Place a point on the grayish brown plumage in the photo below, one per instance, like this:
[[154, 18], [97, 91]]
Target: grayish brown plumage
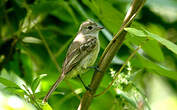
[[81, 54]]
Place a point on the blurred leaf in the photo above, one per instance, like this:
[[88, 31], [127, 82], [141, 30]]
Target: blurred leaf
[[13, 78], [36, 82], [106, 13], [61, 49], [44, 7], [26, 68], [161, 40], [157, 68], [136, 32], [171, 46], [16, 91], [8, 83], [126, 97], [79, 8], [20, 2], [71, 12], [143, 62], [152, 48], [30, 21], [162, 7], [42, 94], [60, 9], [31, 40], [46, 106]]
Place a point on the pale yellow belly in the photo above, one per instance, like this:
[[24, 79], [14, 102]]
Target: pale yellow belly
[[88, 61]]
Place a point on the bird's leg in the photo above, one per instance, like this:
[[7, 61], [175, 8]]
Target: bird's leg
[[95, 67], [86, 87]]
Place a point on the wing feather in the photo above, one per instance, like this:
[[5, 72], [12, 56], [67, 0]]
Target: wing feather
[[75, 55]]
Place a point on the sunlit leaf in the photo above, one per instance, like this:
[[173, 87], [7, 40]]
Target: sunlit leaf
[[171, 46], [17, 91], [111, 18], [136, 32], [42, 94], [31, 40], [46, 106], [8, 83], [36, 82], [157, 68]]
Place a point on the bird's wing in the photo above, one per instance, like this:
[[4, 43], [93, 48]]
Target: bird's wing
[[75, 55]]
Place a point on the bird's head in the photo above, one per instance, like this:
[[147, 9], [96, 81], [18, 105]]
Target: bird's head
[[89, 27]]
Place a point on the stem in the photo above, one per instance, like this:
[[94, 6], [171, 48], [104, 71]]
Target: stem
[[109, 53], [143, 95], [31, 96], [48, 49], [120, 70]]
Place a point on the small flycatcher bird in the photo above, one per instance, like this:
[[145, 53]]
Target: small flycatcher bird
[[81, 54]]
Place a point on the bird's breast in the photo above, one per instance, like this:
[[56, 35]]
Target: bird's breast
[[80, 38], [90, 59]]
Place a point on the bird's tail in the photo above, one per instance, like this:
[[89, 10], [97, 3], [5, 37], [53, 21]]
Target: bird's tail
[[54, 86]]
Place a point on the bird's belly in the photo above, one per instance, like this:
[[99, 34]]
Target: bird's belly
[[89, 60], [82, 67]]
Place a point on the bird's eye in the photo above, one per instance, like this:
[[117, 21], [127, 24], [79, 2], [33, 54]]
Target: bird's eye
[[89, 27]]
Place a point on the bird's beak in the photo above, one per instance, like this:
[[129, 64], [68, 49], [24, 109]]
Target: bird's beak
[[100, 27]]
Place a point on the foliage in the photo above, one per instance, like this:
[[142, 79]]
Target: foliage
[[35, 35]]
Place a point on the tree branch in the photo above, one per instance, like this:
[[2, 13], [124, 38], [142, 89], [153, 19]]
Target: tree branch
[[109, 53], [118, 72]]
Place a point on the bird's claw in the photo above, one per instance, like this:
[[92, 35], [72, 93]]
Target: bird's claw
[[95, 67]]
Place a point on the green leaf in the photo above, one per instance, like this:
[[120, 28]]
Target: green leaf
[[19, 92], [142, 61], [46, 106], [60, 9], [44, 7], [36, 82], [27, 67], [42, 94], [170, 45], [20, 2], [30, 21], [110, 16], [157, 68], [32, 40], [153, 49], [12, 77], [136, 32], [8, 83], [127, 98], [79, 8]]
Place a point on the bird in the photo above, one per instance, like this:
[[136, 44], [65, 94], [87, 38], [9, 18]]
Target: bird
[[82, 54]]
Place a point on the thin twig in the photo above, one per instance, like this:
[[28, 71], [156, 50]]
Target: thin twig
[[144, 96], [32, 97], [73, 90], [120, 70], [48, 49]]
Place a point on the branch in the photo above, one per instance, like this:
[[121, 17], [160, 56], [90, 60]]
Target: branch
[[120, 70], [48, 49], [109, 53]]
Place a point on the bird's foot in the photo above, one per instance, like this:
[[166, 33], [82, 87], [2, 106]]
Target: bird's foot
[[95, 67], [88, 88]]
